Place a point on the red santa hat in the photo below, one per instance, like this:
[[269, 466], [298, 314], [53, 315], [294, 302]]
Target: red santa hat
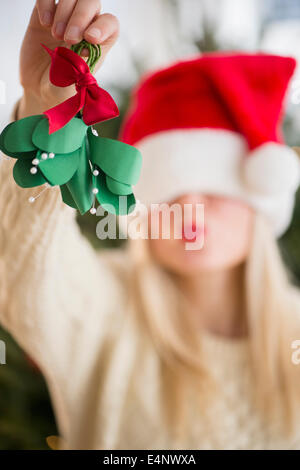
[[212, 124]]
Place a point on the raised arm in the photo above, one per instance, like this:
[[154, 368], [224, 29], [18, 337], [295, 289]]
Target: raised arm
[[51, 280]]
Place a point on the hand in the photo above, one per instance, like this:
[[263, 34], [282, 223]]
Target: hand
[[63, 24]]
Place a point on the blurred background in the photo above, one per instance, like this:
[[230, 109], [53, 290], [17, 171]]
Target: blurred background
[[153, 34]]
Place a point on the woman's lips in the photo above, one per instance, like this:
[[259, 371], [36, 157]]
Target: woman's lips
[[192, 232]]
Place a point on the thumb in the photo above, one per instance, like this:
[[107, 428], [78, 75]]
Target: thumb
[[107, 26]]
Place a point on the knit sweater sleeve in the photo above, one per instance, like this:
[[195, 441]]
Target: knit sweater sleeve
[[54, 291]]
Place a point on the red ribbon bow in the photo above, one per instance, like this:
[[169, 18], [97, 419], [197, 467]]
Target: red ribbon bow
[[68, 68]]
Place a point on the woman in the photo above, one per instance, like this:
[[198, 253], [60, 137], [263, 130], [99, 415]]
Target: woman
[[158, 346]]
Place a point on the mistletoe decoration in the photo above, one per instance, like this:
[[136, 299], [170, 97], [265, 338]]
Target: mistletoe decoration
[[61, 148]]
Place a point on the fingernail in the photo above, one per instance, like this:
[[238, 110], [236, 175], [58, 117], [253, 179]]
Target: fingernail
[[60, 29], [94, 33], [47, 18], [73, 33]]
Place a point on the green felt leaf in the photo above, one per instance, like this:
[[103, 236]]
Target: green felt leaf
[[120, 161], [24, 178], [24, 155], [118, 188], [67, 197], [80, 186], [29, 155], [2, 146], [108, 200], [66, 140], [18, 135], [60, 169]]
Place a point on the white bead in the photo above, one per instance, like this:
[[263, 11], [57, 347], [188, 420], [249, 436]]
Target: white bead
[[31, 199], [33, 170], [95, 132], [95, 191], [35, 161], [96, 173], [51, 155], [93, 211], [44, 156]]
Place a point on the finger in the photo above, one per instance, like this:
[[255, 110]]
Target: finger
[[82, 16], [104, 30], [63, 13], [46, 11]]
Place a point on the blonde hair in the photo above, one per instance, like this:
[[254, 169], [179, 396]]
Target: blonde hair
[[273, 314]]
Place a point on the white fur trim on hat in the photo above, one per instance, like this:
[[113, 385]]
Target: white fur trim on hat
[[272, 169], [216, 161]]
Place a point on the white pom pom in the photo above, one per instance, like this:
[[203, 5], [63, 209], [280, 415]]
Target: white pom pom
[[35, 161], [93, 211], [95, 191], [96, 173], [271, 169], [44, 156], [33, 170], [51, 155]]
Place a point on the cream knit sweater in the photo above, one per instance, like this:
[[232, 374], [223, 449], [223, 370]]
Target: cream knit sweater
[[66, 306]]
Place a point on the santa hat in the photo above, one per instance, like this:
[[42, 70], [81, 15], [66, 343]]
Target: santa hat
[[211, 125]]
